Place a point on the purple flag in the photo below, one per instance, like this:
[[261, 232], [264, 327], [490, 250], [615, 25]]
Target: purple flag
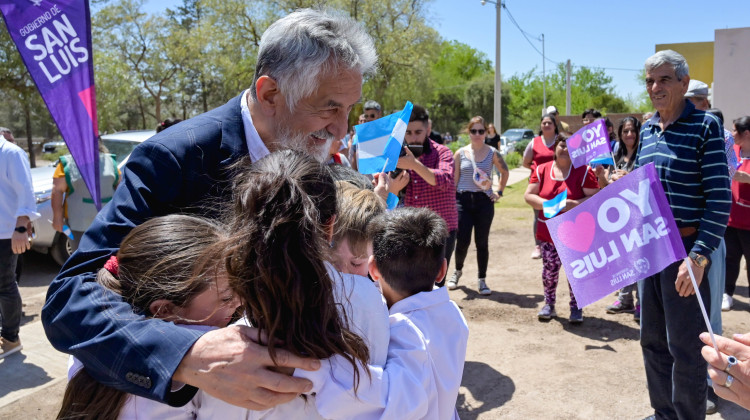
[[54, 39], [589, 142], [624, 233]]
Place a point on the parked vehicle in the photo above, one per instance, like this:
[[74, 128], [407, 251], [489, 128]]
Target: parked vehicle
[[49, 241], [512, 136], [52, 146]]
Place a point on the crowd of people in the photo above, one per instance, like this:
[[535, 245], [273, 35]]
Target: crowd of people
[[265, 277]]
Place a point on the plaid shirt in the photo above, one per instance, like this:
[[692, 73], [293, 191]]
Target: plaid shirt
[[441, 197]]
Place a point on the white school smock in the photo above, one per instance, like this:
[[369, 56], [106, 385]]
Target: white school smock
[[423, 372]]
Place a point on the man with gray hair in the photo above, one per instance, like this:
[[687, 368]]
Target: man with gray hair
[[686, 146], [7, 134], [697, 93], [308, 77]]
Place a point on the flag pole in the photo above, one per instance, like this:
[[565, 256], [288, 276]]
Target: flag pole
[[703, 308]]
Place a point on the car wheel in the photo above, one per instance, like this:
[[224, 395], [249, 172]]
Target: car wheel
[[61, 249]]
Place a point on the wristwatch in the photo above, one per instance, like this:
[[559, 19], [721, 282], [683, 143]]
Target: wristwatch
[[21, 229], [698, 259]]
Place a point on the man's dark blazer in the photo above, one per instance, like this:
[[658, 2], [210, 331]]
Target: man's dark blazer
[[183, 169]]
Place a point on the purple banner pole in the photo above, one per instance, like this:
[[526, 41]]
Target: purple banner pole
[[589, 142], [54, 40], [624, 233]]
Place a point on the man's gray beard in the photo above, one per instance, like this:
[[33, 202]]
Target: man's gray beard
[[286, 138]]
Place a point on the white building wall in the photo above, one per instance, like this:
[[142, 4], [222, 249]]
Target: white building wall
[[731, 87]]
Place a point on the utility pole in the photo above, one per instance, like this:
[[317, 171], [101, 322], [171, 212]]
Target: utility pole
[[567, 88], [544, 77], [498, 121]]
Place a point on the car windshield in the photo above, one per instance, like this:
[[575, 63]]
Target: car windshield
[[120, 148], [514, 134]]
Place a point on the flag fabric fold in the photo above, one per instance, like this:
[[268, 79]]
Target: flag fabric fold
[[624, 233], [555, 205], [54, 40], [381, 140], [589, 142]]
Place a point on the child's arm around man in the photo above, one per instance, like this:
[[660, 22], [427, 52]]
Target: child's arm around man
[[428, 337]]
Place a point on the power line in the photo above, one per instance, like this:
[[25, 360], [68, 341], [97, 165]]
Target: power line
[[544, 56]]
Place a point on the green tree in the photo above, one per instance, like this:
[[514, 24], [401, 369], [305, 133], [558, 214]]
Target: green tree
[[16, 84], [590, 88], [461, 75]]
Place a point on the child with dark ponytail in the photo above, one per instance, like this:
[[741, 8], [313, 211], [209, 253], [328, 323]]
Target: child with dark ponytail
[[163, 269]]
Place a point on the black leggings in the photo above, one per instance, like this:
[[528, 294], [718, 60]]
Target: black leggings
[[475, 210], [738, 244]]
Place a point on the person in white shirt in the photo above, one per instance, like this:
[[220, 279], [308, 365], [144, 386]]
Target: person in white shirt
[[429, 334], [17, 210]]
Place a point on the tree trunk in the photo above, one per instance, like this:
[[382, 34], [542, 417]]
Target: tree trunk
[[27, 117], [143, 113], [204, 93]]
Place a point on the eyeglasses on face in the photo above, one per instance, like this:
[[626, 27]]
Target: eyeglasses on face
[[370, 115], [475, 131]]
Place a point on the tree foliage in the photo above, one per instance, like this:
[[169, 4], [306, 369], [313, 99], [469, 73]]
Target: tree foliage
[[185, 60], [590, 88]]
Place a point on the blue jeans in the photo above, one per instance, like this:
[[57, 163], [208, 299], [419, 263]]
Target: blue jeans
[[670, 325], [10, 298], [475, 211], [716, 280]]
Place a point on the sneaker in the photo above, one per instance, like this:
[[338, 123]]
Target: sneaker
[[453, 282], [483, 289], [576, 316], [637, 314], [536, 253], [618, 308], [8, 347], [726, 302], [547, 313]]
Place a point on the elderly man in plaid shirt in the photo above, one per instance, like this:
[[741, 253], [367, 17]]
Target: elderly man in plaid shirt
[[428, 175]]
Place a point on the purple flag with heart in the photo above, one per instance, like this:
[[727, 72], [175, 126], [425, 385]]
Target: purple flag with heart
[[54, 40], [622, 234], [589, 142]]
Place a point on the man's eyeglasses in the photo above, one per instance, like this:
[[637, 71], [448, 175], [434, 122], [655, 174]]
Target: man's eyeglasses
[[480, 131], [370, 115]]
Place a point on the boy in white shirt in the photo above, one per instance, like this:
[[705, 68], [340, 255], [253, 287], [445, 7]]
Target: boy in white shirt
[[429, 334]]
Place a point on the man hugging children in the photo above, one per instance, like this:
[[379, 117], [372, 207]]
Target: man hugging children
[[428, 333]]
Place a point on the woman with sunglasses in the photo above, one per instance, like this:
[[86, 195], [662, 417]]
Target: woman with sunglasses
[[547, 181], [472, 173], [539, 151]]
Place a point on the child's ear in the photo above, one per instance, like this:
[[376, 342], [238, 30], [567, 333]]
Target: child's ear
[[372, 266], [162, 308], [443, 271]]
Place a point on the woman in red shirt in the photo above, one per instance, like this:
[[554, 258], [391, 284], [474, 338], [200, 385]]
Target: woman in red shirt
[[546, 182], [737, 235], [539, 151]]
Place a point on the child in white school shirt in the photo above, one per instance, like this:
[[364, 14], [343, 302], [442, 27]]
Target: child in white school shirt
[[428, 333]]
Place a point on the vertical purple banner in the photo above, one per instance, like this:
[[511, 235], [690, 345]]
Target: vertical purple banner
[[54, 39], [589, 142], [622, 234]]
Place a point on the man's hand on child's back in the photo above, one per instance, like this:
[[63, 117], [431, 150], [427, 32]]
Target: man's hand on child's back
[[230, 365]]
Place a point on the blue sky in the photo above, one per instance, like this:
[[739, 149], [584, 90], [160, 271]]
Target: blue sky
[[610, 34]]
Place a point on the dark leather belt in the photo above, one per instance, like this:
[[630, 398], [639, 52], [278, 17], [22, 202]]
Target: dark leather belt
[[687, 231]]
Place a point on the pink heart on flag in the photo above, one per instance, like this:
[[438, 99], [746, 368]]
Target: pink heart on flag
[[574, 141], [578, 235]]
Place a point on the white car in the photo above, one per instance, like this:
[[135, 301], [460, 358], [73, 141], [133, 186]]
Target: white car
[[49, 241]]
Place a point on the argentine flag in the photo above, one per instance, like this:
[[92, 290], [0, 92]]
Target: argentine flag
[[553, 206], [380, 140], [605, 159]]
